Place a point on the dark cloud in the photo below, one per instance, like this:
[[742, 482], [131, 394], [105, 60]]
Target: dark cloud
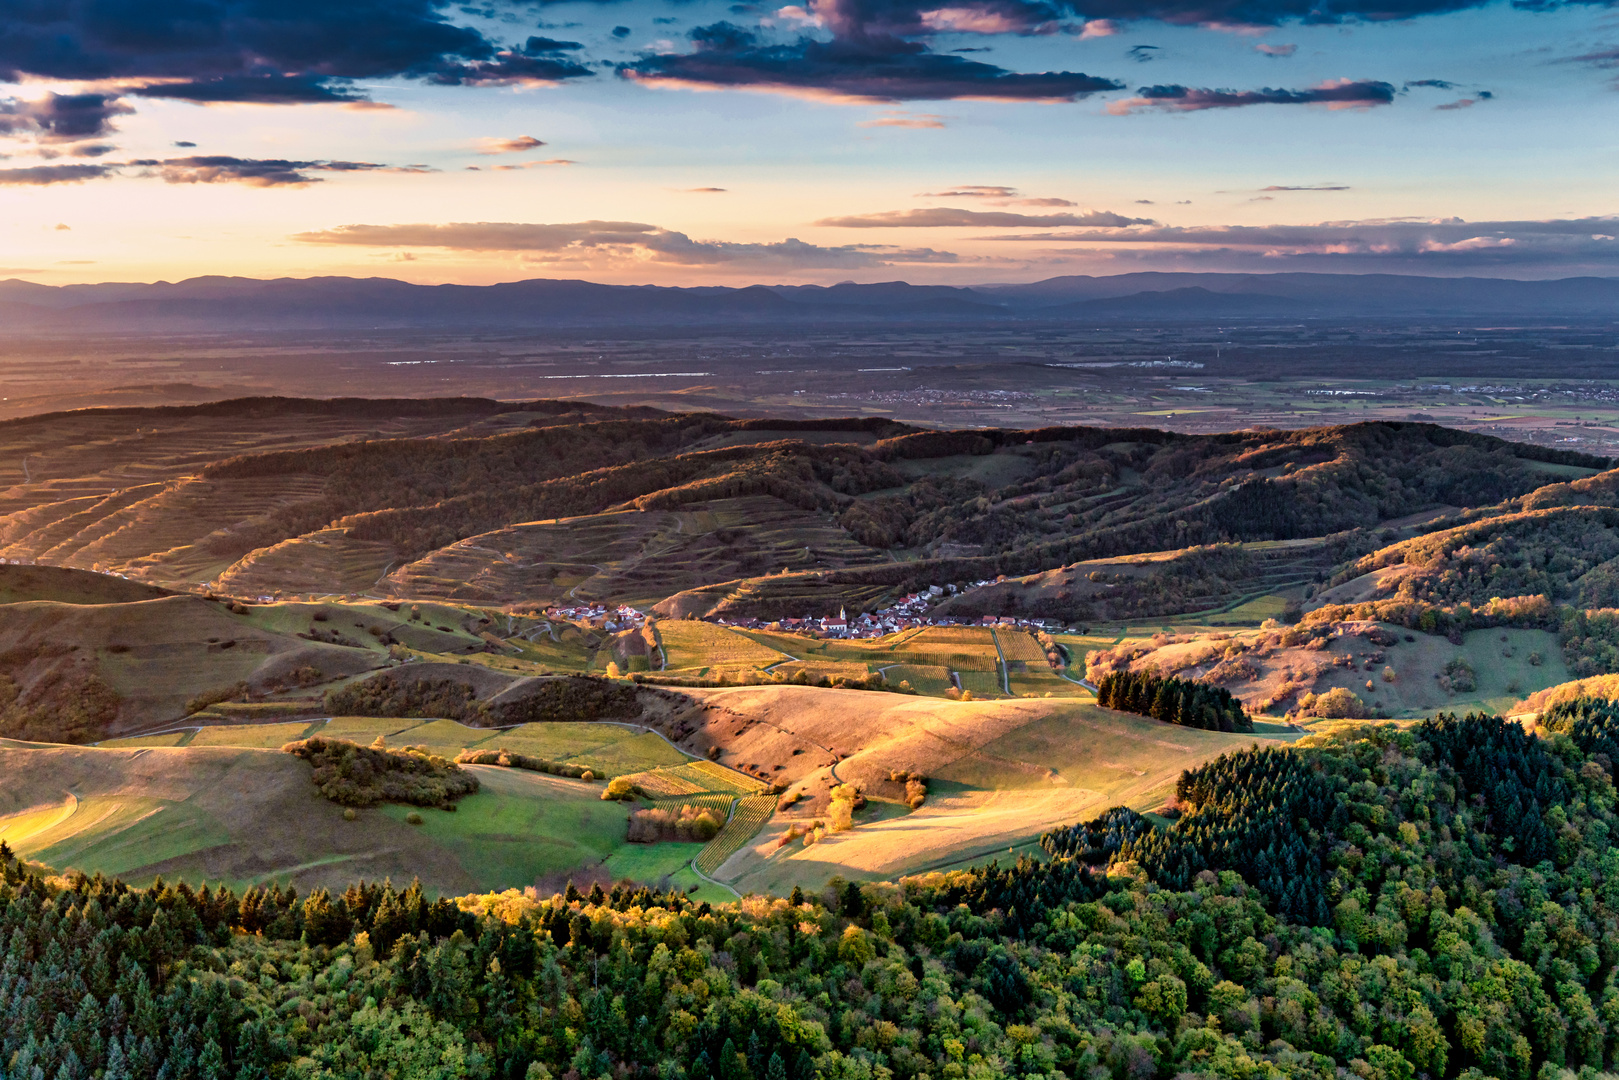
[[184, 144], [1256, 13], [1142, 54], [1306, 187], [1436, 84], [258, 90], [254, 172], [1337, 94], [858, 68], [621, 32], [943, 217], [588, 240], [40, 175], [1280, 52], [705, 190], [93, 150], [62, 117], [272, 51]]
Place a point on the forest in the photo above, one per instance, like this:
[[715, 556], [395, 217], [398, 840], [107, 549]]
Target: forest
[[1438, 901]]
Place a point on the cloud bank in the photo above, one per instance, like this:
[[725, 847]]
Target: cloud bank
[[264, 51], [611, 240], [865, 67]]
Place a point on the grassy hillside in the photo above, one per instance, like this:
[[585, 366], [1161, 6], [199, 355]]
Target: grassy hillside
[[223, 803], [998, 772]]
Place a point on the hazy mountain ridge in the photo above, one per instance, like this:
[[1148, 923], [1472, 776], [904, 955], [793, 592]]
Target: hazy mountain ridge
[[226, 302]]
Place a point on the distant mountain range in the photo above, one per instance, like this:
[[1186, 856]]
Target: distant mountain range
[[207, 304]]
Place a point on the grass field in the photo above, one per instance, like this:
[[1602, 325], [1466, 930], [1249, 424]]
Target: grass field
[[246, 816], [363, 729], [665, 866], [253, 736], [1041, 683], [521, 826], [691, 644], [172, 738], [983, 684]]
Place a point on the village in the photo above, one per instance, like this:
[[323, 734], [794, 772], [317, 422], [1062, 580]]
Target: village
[[910, 612]]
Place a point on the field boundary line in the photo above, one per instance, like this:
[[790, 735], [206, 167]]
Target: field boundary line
[[1006, 679]]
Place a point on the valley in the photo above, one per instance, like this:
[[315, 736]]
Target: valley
[[814, 605]]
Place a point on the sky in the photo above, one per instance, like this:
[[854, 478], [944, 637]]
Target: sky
[[708, 142]]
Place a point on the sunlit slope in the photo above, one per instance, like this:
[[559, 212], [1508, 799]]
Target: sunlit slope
[[245, 816], [999, 772]]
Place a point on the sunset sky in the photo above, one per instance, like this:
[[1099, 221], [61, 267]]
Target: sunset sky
[[951, 141]]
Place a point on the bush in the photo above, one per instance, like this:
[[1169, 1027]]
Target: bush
[[413, 818], [349, 814], [354, 775], [508, 759], [1461, 675], [688, 823], [1339, 704], [619, 788]]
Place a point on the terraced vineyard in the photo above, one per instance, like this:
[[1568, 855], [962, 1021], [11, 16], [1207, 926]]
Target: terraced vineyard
[[930, 679], [749, 817], [1016, 645]]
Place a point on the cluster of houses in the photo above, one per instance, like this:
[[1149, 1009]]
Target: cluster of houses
[[622, 617], [907, 613]]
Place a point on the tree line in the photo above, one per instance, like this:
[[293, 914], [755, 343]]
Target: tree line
[[1174, 701]]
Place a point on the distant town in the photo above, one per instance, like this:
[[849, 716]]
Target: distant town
[[908, 613]]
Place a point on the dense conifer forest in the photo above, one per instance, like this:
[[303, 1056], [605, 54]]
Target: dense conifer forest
[[1439, 901], [1174, 701]]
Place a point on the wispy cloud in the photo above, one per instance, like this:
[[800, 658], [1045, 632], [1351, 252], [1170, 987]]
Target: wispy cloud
[[519, 145], [944, 217], [896, 119]]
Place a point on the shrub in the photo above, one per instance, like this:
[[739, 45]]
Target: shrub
[[214, 697], [1461, 675], [349, 814], [688, 823], [413, 818], [508, 759], [354, 775], [1339, 703], [619, 787]]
